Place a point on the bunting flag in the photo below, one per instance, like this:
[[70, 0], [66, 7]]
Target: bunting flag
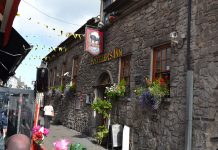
[[9, 14], [60, 32]]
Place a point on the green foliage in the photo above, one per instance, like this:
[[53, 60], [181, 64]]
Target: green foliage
[[53, 88], [61, 88], [77, 147], [102, 107], [154, 93], [116, 90], [122, 88], [101, 133], [158, 90], [72, 88], [139, 90]]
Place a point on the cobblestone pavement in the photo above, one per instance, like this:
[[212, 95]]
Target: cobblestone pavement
[[57, 132]]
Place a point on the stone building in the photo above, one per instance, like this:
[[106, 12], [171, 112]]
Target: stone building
[[180, 36]]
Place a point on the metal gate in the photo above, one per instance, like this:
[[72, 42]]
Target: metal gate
[[19, 105]]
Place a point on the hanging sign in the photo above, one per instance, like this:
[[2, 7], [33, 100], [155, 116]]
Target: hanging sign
[[94, 41]]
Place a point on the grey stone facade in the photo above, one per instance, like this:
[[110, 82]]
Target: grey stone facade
[[141, 27]]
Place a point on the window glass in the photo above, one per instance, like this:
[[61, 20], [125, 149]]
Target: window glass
[[75, 69], [161, 63], [106, 3], [125, 72]]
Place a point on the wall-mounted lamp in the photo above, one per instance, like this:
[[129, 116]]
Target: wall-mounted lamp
[[97, 19], [100, 24], [177, 40], [67, 74]]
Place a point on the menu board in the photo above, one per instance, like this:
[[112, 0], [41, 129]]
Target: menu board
[[117, 133], [125, 142]]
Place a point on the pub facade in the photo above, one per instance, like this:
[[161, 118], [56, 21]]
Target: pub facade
[[144, 39]]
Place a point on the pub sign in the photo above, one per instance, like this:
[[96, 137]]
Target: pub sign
[[94, 41]]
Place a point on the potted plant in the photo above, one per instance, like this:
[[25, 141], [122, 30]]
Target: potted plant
[[61, 88], [102, 107], [101, 134], [154, 93], [70, 88], [116, 90]]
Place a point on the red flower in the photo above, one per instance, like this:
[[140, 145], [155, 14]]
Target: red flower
[[161, 81], [38, 136]]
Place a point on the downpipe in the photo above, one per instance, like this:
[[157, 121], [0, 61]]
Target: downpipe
[[189, 84]]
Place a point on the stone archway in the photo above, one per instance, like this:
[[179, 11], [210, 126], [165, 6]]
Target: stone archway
[[104, 79]]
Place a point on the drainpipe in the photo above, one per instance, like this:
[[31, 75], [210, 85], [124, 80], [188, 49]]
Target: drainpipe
[[189, 84]]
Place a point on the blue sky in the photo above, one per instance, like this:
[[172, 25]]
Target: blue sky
[[41, 22]]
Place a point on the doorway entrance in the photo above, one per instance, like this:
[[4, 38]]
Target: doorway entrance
[[104, 80]]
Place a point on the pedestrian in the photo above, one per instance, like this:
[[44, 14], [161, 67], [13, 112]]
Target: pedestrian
[[48, 114], [3, 128], [18, 142]]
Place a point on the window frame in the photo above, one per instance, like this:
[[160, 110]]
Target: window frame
[[155, 61], [122, 74], [107, 3], [54, 76], [51, 78], [74, 74], [165, 74], [64, 68]]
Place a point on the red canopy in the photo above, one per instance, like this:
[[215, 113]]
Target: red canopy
[[8, 8]]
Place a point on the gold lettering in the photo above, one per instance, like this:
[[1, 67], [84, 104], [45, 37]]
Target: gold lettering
[[117, 52], [107, 57], [94, 61], [110, 55]]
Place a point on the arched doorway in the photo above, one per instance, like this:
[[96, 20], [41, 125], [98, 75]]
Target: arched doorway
[[103, 81]]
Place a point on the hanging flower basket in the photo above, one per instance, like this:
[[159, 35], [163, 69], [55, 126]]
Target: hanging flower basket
[[153, 94], [116, 90]]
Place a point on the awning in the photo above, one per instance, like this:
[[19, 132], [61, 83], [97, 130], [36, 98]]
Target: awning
[[8, 11], [12, 54]]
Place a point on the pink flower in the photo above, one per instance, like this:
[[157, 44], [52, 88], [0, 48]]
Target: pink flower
[[61, 144], [45, 132], [36, 129]]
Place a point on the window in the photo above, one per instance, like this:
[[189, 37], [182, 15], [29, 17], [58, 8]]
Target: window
[[62, 74], [75, 68], [125, 72], [54, 76], [106, 3], [161, 63], [50, 78]]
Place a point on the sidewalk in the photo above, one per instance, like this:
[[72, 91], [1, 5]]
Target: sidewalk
[[57, 132]]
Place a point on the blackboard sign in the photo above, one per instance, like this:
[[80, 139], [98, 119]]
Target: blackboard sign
[[117, 133]]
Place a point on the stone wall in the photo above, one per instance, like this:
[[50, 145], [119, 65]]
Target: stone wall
[[205, 65], [147, 27], [136, 33]]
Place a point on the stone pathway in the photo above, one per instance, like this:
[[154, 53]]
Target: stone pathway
[[59, 132]]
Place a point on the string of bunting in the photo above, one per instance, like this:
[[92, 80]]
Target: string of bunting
[[58, 49], [61, 32], [37, 47]]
